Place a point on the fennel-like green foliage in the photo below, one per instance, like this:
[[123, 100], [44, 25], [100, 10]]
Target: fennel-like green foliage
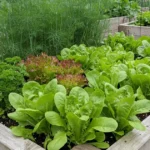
[[31, 27]]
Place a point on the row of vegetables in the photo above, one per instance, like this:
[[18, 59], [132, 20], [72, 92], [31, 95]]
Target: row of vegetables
[[81, 94]]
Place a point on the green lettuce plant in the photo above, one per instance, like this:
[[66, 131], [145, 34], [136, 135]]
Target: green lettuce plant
[[79, 119], [30, 107], [121, 102], [144, 50], [64, 119]]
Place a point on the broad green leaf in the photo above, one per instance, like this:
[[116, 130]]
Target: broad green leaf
[[42, 127], [124, 107], [30, 104], [83, 59], [103, 145], [142, 68], [139, 94], [141, 51], [61, 88], [34, 114], [55, 129], [47, 140], [59, 100], [84, 118], [32, 90], [147, 51], [125, 91], [109, 111], [65, 53], [123, 123], [139, 107], [76, 125], [117, 77], [60, 139], [22, 119], [80, 94], [51, 87], [89, 90], [45, 103], [122, 75], [103, 124], [100, 136], [121, 133], [16, 100], [54, 119], [90, 136], [85, 111], [129, 56], [109, 88], [97, 97], [93, 78], [22, 132], [137, 125], [142, 81], [145, 43]]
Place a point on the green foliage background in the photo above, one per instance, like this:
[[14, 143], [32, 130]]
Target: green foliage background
[[31, 26]]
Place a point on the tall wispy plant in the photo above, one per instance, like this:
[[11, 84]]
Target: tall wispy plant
[[33, 26]]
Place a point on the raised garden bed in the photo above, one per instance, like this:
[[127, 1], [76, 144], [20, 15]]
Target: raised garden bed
[[37, 112], [114, 24], [145, 8], [11, 142], [136, 31], [134, 140]]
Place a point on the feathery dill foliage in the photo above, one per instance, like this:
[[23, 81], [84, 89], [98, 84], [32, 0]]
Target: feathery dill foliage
[[144, 3], [35, 26]]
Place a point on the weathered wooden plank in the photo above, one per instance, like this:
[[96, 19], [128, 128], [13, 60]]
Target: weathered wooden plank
[[145, 8], [137, 31], [114, 23], [134, 140], [10, 142]]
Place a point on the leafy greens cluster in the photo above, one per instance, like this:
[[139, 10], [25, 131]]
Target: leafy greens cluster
[[73, 118], [120, 68], [44, 68], [11, 80], [143, 19], [128, 8], [118, 75]]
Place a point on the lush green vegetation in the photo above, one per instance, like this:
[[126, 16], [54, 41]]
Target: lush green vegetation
[[143, 19], [59, 78], [144, 3], [44, 68], [128, 8], [74, 118], [11, 80], [31, 27], [118, 89]]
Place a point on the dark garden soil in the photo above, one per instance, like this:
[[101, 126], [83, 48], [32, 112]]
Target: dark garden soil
[[39, 139], [6, 121], [143, 116]]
